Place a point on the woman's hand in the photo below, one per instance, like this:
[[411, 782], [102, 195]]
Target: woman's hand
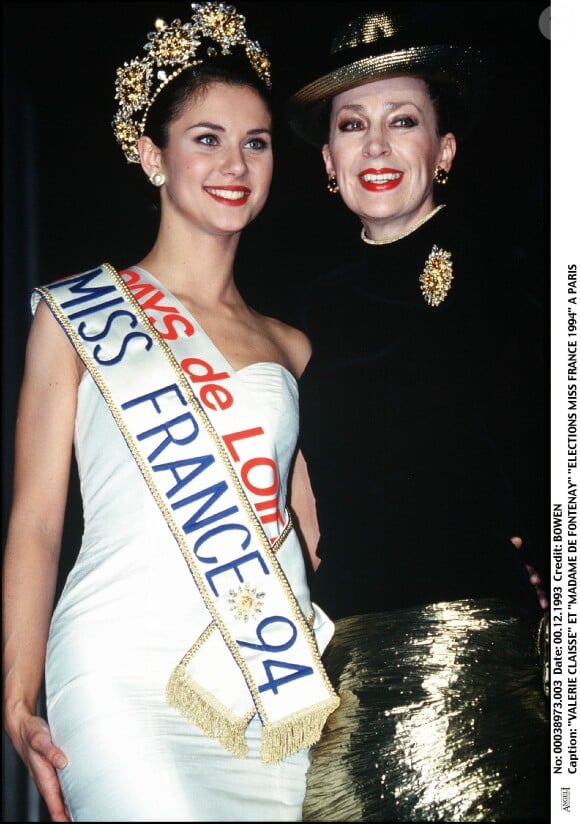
[[43, 759], [535, 579]]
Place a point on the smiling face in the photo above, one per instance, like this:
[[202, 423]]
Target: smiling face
[[383, 148], [218, 160]]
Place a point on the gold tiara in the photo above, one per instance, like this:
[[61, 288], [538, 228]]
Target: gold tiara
[[169, 51]]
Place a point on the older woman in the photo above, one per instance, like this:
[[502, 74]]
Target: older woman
[[407, 409]]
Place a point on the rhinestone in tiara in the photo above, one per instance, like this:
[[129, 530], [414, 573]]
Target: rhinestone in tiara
[[214, 29]]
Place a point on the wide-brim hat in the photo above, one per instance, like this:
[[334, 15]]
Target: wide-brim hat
[[378, 45]]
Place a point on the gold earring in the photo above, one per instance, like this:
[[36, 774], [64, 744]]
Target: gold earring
[[440, 175], [157, 179], [332, 185]]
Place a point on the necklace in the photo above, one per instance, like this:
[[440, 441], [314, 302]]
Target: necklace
[[403, 234], [435, 279]]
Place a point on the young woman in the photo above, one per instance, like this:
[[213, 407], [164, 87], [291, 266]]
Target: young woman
[[182, 660]]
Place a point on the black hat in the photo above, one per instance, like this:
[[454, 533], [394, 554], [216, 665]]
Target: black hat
[[378, 45]]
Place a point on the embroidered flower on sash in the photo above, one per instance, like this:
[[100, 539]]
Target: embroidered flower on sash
[[245, 602]]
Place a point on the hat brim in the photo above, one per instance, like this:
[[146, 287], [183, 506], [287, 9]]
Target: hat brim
[[462, 70]]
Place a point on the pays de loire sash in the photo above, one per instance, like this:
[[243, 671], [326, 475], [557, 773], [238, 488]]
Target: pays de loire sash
[[196, 438]]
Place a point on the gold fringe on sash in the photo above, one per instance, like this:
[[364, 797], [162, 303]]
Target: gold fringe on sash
[[201, 708], [279, 740], [302, 730]]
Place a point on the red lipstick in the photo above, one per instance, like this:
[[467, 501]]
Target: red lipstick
[[380, 180], [229, 195]]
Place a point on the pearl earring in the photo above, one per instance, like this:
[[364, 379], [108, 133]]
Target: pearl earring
[[157, 179]]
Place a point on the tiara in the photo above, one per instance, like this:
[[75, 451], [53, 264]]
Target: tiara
[[169, 51]]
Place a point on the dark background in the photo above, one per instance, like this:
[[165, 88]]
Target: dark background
[[71, 201]]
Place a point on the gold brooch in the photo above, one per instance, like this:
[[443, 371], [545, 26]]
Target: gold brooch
[[436, 277], [245, 602]]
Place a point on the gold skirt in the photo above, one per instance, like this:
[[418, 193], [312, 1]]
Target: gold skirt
[[443, 717]]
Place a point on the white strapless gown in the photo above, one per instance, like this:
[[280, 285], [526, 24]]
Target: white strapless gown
[[128, 613]]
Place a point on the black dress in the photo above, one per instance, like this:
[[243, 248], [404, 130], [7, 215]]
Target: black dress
[[422, 430]]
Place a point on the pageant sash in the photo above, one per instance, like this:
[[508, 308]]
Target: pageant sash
[[202, 450]]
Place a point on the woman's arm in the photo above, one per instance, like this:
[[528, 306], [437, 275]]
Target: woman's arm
[[43, 449], [301, 497], [303, 506]]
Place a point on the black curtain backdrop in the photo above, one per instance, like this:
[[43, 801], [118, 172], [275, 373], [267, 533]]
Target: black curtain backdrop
[[71, 201]]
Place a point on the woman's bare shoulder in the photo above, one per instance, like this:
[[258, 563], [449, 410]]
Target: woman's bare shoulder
[[292, 341], [48, 348]]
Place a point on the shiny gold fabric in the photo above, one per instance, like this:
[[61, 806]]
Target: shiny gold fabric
[[443, 718]]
